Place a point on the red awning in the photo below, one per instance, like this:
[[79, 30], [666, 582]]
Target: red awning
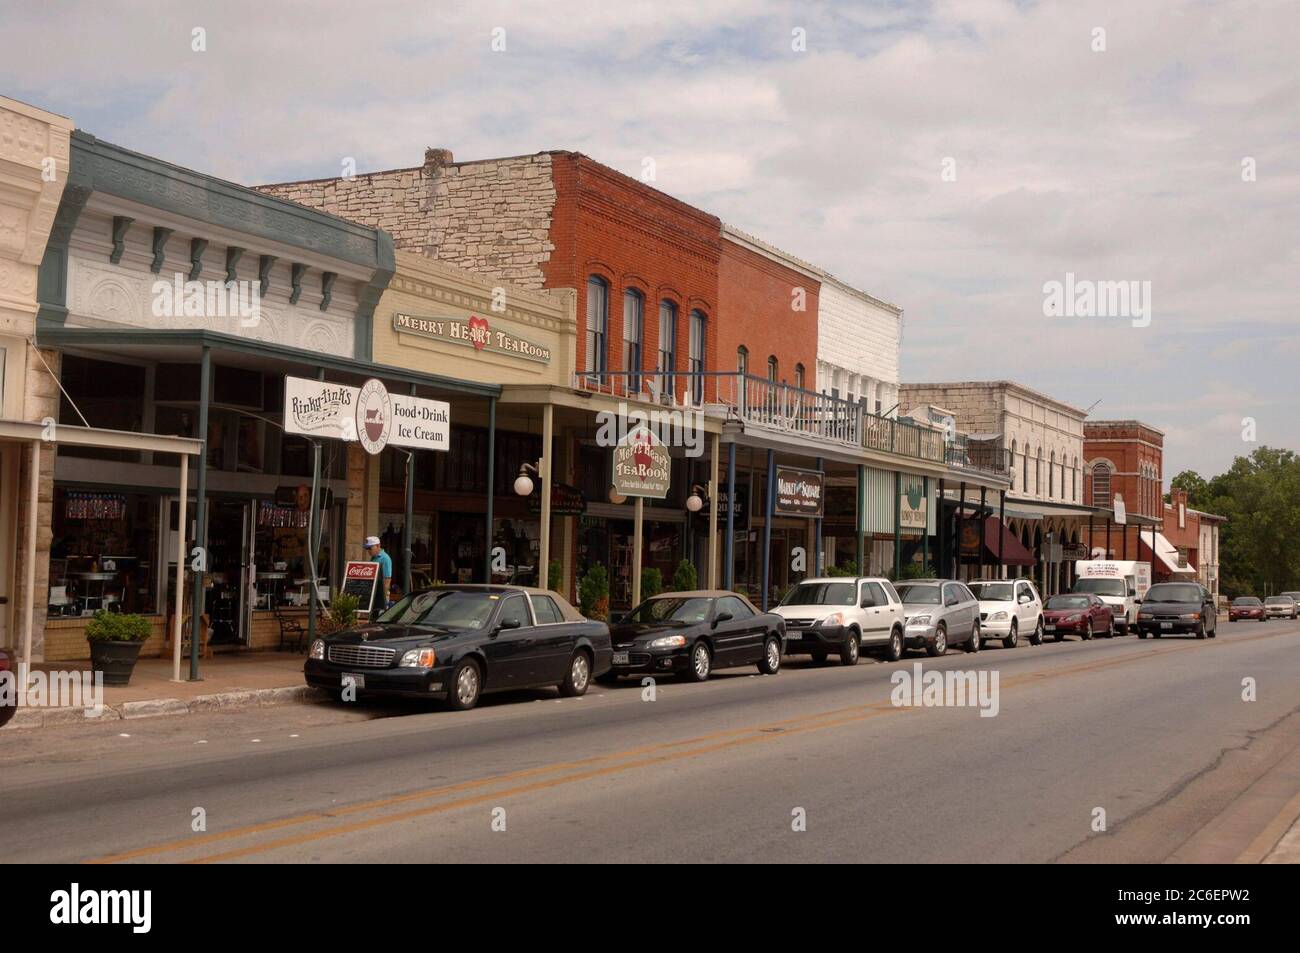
[[1015, 555]]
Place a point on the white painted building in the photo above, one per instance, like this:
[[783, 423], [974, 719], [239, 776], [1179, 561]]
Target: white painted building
[[858, 343]]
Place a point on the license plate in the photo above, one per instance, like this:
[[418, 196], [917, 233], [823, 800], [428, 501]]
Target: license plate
[[356, 681], [620, 658], [1166, 625], [1049, 628]]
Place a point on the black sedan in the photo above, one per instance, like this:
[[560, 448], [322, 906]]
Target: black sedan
[[1169, 608], [454, 643], [691, 633]]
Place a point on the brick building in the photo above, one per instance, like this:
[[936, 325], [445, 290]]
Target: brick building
[[1123, 459]]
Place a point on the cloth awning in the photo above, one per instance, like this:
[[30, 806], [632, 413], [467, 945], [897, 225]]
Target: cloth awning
[[1014, 552], [1167, 556]]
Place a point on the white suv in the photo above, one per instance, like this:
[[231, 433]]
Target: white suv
[[1009, 607], [844, 615]]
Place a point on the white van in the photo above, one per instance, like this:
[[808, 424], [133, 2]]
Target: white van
[[1117, 582]]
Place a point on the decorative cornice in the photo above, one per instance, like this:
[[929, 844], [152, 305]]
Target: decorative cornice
[[264, 264], [197, 247], [296, 273], [233, 254], [120, 225], [160, 236], [326, 289]]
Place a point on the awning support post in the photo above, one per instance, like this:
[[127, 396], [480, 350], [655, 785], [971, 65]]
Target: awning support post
[[180, 567], [201, 514]]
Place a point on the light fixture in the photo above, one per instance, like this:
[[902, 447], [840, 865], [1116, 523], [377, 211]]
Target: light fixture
[[616, 497], [695, 502], [524, 482]]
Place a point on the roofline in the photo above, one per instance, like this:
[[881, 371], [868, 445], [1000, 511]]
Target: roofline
[[1122, 423], [1002, 383]]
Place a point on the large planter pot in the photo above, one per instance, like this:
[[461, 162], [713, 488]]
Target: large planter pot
[[115, 659]]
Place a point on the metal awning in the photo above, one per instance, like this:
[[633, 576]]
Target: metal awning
[[1167, 554]]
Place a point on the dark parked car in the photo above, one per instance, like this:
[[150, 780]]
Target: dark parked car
[[1172, 607], [7, 664], [1080, 613], [692, 633], [1246, 607], [456, 642]]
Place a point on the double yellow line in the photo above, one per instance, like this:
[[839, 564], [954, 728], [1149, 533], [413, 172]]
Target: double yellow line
[[533, 780]]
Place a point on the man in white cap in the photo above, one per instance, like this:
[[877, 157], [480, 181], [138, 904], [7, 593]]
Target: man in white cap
[[375, 550]]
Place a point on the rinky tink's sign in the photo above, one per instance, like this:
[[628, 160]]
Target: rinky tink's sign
[[369, 413], [799, 492], [642, 465], [475, 331]]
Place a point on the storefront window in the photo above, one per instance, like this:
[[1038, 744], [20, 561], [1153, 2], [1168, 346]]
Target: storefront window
[[102, 553], [109, 395]]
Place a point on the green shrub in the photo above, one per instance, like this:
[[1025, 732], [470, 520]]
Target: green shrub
[[684, 577], [850, 568], [343, 610], [652, 582], [593, 593], [107, 626], [555, 576]]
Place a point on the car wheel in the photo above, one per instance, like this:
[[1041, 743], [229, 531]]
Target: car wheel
[[1060, 636], [1110, 627], [1037, 637], [701, 663], [1123, 628], [579, 677], [940, 644], [976, 641], [1013, 637], [849, 651], [1087, 633], [818, 656], [771, 663], [894, 651], [1141, 634], [1200, 629], [466, 686]]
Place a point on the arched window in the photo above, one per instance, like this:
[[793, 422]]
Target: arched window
[[667, 344], [1101, 490], [1038, 472], [772, 368], [696, 345], [1024, 467], [799, 376], [633, 333], [597, 358], [1051, 476], [1013, 464], [742, 360], [1074, 481]]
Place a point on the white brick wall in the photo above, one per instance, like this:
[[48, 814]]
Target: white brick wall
[[858, 344]]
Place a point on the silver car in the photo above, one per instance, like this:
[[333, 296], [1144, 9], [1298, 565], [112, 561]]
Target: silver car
[[939, 613]]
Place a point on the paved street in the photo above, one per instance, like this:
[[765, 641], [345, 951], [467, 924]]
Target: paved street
[[1154, 732]]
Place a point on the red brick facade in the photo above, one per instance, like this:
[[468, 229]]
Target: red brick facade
[[757, 310], [1132, 454]]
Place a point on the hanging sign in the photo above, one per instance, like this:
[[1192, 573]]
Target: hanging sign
[[799, 492], [317, 409], [642, 465], [374, 416], [369, 414], [912, 507]]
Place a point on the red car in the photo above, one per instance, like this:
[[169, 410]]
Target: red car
[[7, 664], [1079, 613], [1246, 607]]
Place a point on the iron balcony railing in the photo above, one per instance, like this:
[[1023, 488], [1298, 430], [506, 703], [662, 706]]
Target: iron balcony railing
[[796, 410]]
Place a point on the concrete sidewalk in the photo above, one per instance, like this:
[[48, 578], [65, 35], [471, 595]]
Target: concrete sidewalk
[[228, 681]]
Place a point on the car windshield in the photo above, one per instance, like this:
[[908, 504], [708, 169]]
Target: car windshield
[[820, 594], [1245, 601], [1101, 587], [669, 609], [448, 608], [1173, 592], [1279, 600], [1067, 602], [993, 591], [920, 595]]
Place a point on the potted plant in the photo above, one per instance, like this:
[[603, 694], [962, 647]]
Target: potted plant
[[652, 582], [341, 614], [115, 640], [685, 578], [593, 593]]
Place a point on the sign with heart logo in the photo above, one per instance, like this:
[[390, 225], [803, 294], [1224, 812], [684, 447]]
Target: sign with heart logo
[[479, 332]]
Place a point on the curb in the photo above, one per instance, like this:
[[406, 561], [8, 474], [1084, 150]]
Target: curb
[[25, 719]]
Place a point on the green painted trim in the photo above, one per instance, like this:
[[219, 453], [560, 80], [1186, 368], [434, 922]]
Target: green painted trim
[[363, 345], [120, 225], [118, 340], [52, 277], [160, 236], [233, 254], [264, 264], [295, 282], [326, 289], [197, 247]]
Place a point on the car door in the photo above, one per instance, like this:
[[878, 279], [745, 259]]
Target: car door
[[1027, 612], [894, 612], [738, 640], [554, 640], [877, 619], [509, 649]]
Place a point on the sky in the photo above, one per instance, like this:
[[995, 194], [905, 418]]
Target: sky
[[953, 158]]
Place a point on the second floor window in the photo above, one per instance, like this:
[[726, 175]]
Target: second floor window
[[597, 324], [696, 345], [633, 324], [667, 339], [772, 369], [799, 376], [1101, 485]]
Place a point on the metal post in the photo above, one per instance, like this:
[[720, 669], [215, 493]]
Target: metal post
[[1107, 537], [925, 530], [713, 511], [201, 513], [408, 518], [984, 496], [1125, 531], [180, 568], [817, 528], [33, 503], [491, 480], [1002, 534], [545, 471], [728, 549], [312, 571], [768, 515], [898, 524], [638, 526], [941, 531], [861, 525], [961, 506]]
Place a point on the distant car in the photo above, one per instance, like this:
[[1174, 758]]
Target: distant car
[[1078, 613], [939, 613], [690, 634], [1169, 608], [1246, 607], [1281, 607], [1009, 607], [842, 615], [456, 642], [1293, 595], [8, 665]]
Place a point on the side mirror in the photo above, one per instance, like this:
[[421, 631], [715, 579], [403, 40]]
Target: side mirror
[[868, 602], [723, 616], [1136, 602], [508, 624], [1132, 592], [1024, 600]]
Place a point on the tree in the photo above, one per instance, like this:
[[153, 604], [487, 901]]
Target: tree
[[1194, 485]]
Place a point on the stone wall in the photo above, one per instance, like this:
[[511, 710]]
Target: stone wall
[[492, 217]]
